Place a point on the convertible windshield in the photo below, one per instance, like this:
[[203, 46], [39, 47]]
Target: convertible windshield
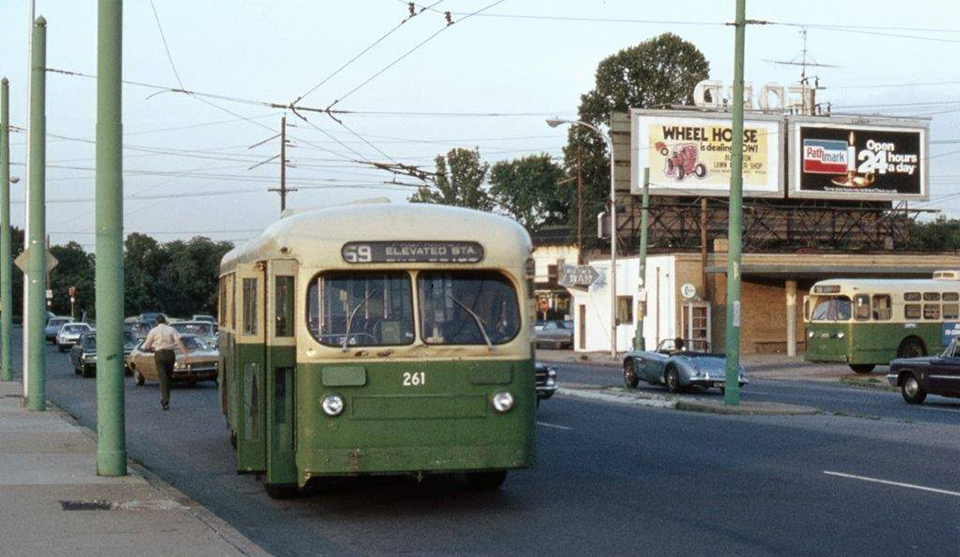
[[468, 308], [361, 309], [831, 308]]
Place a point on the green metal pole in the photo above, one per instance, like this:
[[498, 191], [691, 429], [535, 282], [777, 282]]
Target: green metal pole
[[37, 261], [639, 342], [111, 431], [6, 288], [735, 235]]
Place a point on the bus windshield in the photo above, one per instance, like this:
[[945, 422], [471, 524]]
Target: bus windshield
[[831, 308], [458, 307], [361, 309]]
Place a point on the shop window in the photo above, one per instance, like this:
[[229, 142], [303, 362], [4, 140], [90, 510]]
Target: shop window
[[861, 307], [912, 311], [931, 312], [249, 306], [882, 307], [951, 312], [624, 310]]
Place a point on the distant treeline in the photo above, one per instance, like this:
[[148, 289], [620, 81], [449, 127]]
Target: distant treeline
[[941, 234], [178, 278]]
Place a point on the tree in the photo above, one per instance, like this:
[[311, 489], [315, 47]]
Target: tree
[[527, 189], [75, 268], [459, 182], [940, 234], [657, 73], [142, 261]]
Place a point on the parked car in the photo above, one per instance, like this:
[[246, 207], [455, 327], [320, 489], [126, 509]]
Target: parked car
[[557, 334], [83, 355], [676, 368], [53, 327], [546, 381], [203, 317], [203, 366], [150, 317], [935, 375], [207, 331], [138, 329], [69, 335]]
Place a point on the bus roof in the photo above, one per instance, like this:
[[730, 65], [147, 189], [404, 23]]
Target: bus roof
[[891, 285], [315, 238]]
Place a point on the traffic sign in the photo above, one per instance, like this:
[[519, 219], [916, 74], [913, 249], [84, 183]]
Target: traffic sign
[[578, 275], [23, 261]]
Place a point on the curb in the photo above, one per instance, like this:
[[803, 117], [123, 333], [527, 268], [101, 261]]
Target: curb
[[217, 525], [688, 405]]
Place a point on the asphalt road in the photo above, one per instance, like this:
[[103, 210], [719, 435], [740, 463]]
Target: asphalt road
[[611, 480], [837, 399]]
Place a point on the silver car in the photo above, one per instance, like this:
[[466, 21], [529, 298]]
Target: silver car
[[53, 327], [556, 334], [69, 335], [676, 368]]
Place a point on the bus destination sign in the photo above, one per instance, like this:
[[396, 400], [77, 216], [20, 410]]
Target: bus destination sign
[[412, 252]]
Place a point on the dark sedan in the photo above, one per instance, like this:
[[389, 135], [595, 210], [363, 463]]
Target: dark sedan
[[83, 355], [935, 375]]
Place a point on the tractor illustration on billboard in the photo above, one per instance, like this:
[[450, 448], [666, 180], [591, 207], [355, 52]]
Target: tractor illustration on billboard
[[683, 161]]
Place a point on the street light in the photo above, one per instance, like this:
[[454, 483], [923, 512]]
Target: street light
[[556, 122]]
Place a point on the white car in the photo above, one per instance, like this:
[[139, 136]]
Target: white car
[[69, 335]]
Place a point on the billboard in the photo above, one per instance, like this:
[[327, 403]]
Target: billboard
[[858, 159], [688, 153]]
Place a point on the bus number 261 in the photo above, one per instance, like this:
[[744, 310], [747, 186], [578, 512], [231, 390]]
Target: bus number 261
[[414, 379]]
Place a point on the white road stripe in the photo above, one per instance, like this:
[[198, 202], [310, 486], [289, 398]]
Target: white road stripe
[[897, 484], [563, 427]]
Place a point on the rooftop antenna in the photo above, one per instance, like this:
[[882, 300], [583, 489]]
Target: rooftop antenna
[[805, 60]]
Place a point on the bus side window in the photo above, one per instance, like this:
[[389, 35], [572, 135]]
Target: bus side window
[[882, 307], [912, 311], [951, 312], [861, 307], [249, 306], [931, 312]]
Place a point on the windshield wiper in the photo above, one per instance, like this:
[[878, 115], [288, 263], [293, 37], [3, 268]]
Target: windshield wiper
[[346, 336], [476, 318]]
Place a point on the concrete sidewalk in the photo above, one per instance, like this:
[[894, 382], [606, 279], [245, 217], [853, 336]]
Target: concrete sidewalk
[[48, 484]]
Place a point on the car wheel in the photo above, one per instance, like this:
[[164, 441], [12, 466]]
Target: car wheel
[[911, 348], [138, 378], [485, 481], [61, 348], [912, 391], [862, 368], [723, 391], [630, 378], [673, 380], [89, 371]]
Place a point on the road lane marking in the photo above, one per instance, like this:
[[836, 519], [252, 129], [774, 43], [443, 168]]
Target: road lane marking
[[563, 427], [897, 484]]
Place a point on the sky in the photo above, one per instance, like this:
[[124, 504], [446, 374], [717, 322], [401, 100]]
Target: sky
[[422, 90]]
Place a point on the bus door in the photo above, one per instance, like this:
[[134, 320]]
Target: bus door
[[249, 368], [281, 360]]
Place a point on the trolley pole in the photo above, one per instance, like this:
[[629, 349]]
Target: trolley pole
[[639, 342], [6, 271], [111, 430], [735, 234]]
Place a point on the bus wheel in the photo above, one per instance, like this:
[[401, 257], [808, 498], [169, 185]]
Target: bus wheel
[[911, 348], [281, 491], [912, 392], [485, 481], [862, 368], [630, 378]]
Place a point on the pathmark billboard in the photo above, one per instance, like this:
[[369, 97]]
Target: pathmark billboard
[[862, 159], [688, 153]]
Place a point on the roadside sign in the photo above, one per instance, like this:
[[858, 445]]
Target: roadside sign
[[578, 276], [49, 294], [23, 261]]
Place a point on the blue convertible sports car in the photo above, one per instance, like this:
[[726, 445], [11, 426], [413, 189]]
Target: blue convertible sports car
[[676, 368]]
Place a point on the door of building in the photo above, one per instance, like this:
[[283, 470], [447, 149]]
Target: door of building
[[696, 325], [583, 327]]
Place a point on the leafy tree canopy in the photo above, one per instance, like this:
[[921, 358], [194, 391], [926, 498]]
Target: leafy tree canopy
[[527, 190], [459, 182]]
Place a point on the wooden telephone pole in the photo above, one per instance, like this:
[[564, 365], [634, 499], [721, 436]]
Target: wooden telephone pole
[[283, 190]]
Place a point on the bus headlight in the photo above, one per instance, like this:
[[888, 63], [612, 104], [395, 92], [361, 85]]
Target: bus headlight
[[502, 402], [332, 405], [810, 334], [840, 334]]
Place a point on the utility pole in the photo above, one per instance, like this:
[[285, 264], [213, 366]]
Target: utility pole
[[111, 427], [6, 271], [37, 257], [639, 342], [283, 190], [579, 213], [735, 234]]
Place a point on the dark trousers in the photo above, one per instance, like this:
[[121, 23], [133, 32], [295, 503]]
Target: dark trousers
[[164, 360]]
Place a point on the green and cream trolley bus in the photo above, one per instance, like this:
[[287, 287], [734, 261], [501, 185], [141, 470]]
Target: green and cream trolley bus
[[865, 323], [380, 339]]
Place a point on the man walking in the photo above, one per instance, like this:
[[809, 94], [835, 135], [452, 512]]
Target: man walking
[[162, 339]]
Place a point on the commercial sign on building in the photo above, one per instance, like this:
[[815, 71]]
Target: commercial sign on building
[[843, 158], [688, 153]]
